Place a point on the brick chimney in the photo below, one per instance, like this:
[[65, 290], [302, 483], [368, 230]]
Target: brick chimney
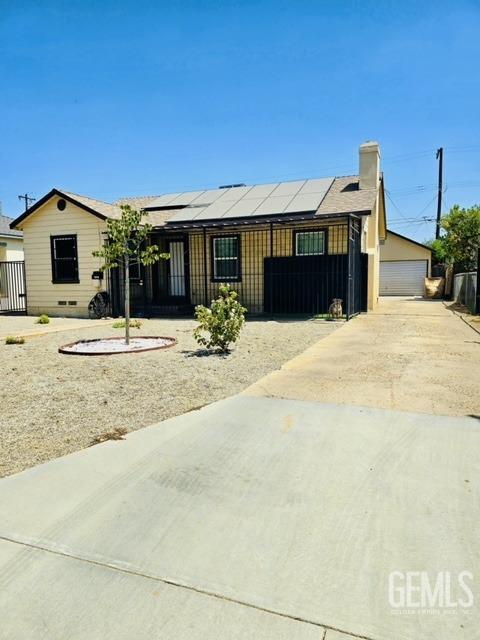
[[369, 165]]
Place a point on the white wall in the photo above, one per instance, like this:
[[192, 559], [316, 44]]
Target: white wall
[[11, 248]]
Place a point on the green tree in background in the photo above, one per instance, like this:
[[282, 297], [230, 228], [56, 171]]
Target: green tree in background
[[461, 240]]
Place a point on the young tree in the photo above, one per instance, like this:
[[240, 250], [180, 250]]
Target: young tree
[[222, 321], [461, 241], [125, 247]]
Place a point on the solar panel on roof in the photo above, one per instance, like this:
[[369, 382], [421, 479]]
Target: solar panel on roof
[[185, 215], [234, 194], [186, 198], [297, 196], [262, 190], [164, 201], [207, 197], [300, 203], [244, 207], [272, 205], [215, 210], [288, 188], [317, 185]]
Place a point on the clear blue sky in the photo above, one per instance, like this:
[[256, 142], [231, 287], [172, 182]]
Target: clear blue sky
[[117, 98]]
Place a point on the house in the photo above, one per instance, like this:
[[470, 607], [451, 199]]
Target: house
[[11, 241], [12, 283], [404, 265], [287, 247]]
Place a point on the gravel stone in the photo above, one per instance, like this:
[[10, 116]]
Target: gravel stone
[[53, 404]]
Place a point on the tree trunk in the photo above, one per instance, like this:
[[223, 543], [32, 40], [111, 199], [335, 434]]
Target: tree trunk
[[127, 299]]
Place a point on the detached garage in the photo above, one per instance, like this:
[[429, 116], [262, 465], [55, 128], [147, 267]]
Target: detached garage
[[404, 265]]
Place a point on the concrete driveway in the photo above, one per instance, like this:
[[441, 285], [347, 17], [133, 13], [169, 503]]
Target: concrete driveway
[[254, 517], [410, 355]]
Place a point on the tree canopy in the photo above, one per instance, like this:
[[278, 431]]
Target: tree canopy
[[460, 241]]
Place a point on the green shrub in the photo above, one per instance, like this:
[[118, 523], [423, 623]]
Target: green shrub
[[120, 324], [14, 340], [223, 321], [43, 319]]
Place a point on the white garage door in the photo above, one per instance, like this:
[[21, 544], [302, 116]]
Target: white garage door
[[403, 278]]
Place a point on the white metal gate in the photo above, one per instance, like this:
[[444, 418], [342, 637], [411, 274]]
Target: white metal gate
[[12, 287], [403, 277]]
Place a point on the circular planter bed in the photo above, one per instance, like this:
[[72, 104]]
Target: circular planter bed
[[111, 346]]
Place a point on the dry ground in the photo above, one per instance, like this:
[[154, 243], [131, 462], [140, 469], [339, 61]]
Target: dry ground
[[27, 325], [408, 355], [54, 404]]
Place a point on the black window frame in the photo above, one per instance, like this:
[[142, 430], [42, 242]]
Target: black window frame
[[55, 278], [238, 276], [323, 230]]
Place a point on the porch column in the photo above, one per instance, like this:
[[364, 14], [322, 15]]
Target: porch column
[[205, 275], [349, 268], [270, 293]]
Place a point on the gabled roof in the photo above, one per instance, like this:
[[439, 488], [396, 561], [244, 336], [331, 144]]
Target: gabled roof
[[102, 210], [136, 202], [419, 244], [5, 229], [105, 209], [315, 197]]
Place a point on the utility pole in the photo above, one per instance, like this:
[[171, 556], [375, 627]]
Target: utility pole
[[27, 200], [439, 157]]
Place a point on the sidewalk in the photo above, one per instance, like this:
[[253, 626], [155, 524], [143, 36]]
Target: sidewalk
[[250, 518]]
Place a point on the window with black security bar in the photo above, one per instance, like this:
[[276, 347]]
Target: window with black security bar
[[276, 268], [64, 257]]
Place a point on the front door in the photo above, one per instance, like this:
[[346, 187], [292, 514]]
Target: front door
[[176, 275]]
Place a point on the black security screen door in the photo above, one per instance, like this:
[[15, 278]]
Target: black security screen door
[[64, 258]]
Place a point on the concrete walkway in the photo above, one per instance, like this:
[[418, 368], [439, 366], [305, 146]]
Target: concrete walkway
[[409, 355], [255, 517]]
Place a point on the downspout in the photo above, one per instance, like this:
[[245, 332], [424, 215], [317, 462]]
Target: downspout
[[349, 268]]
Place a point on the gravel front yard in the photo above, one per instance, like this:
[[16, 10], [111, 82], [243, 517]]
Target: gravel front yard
[[53, 404]]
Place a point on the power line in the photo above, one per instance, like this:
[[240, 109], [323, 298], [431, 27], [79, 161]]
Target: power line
[[394, 204], [27, 200]]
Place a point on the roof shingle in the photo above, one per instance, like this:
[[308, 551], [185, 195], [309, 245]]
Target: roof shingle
[[345, 196], [5, 228]]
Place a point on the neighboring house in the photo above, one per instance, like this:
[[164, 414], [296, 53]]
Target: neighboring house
[[404, 265], [288, 247], [11, 241], [12, 283]]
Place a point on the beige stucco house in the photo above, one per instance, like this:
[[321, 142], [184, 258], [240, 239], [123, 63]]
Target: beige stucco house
[[404, 265], [288, 247]]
